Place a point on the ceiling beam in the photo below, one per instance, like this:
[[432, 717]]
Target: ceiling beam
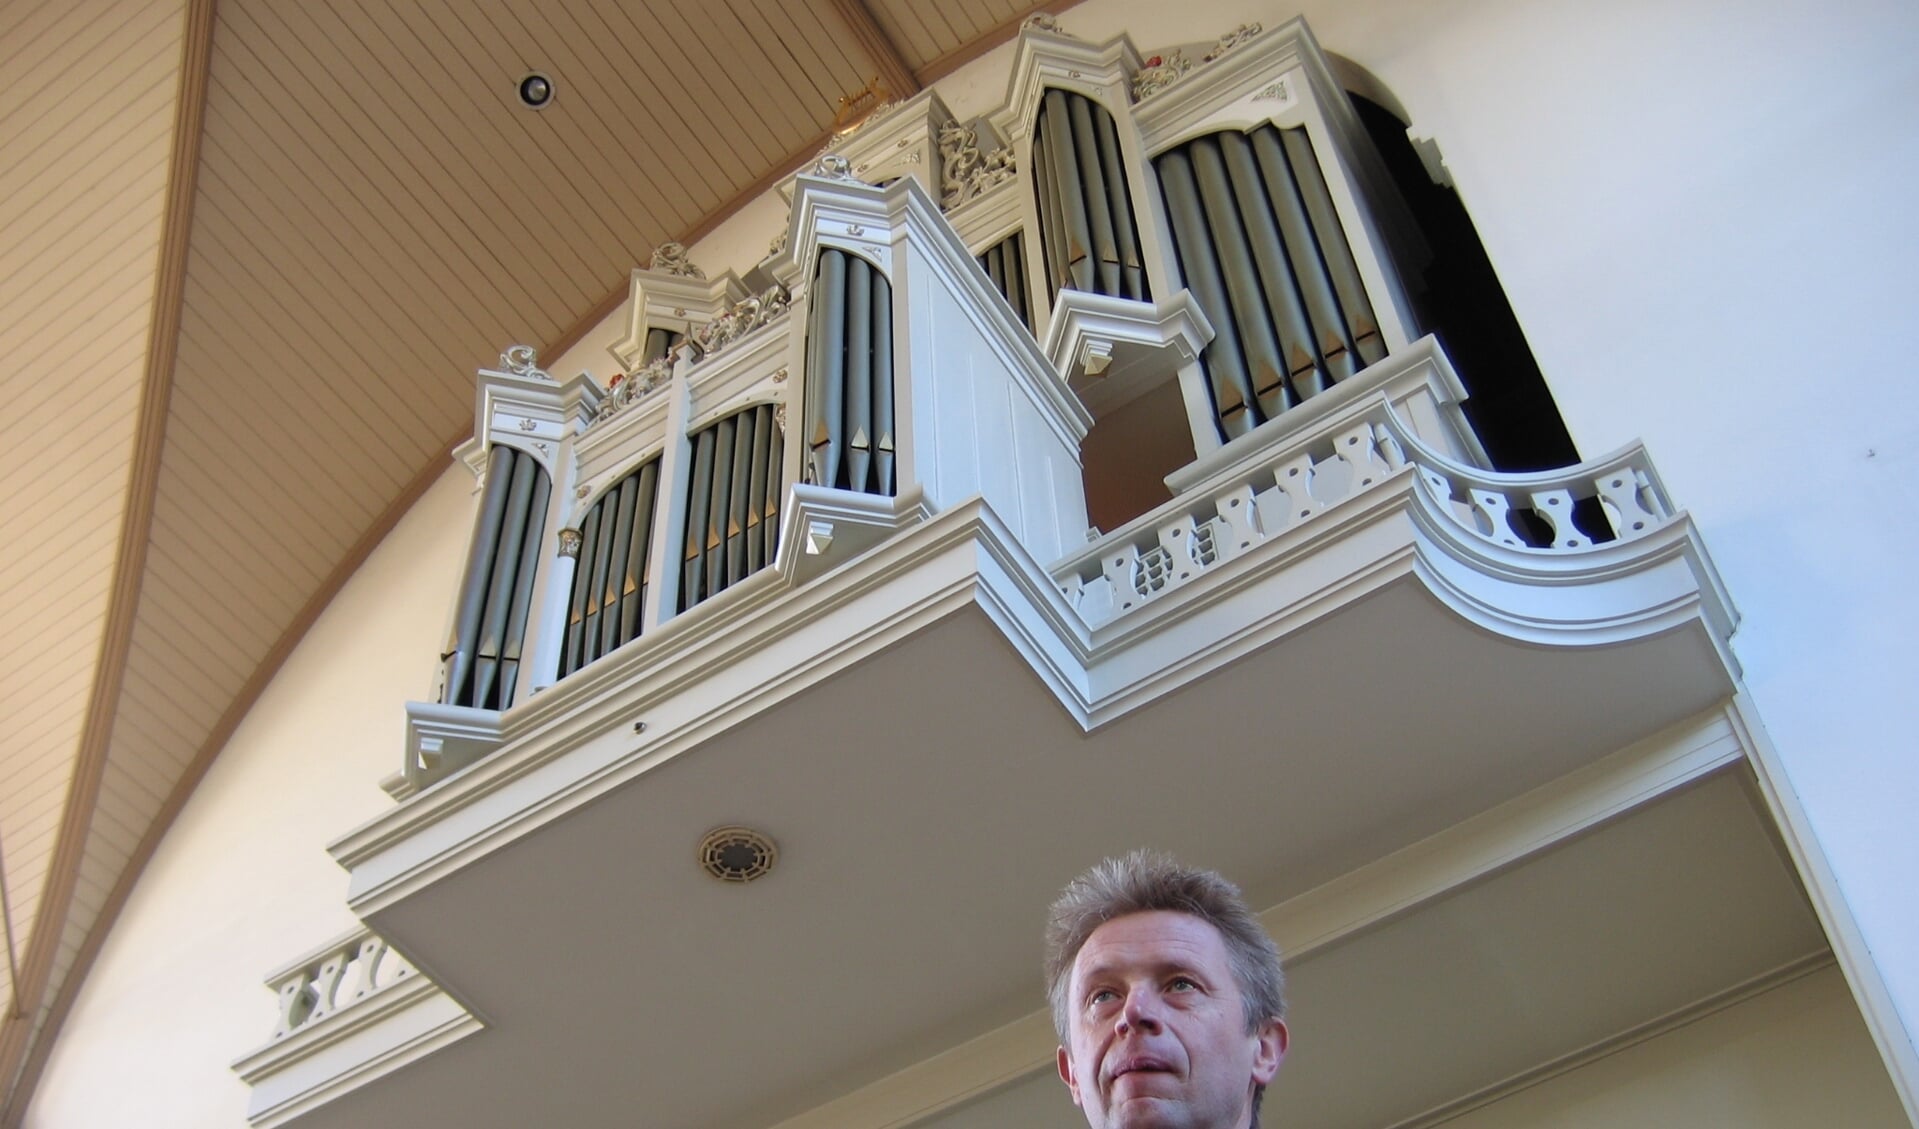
[[18, 1034], [946, 64], [894, 73]]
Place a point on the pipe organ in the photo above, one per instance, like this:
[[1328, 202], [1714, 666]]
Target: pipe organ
[[948, 309]]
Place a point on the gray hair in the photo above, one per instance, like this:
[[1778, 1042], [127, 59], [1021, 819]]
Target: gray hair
[[1143, 881]]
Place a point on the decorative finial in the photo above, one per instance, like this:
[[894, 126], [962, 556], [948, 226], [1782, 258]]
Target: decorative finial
[[832, 166], [520, 361], [1044, 21], [670, 258]]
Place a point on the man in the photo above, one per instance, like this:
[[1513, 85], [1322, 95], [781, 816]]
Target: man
[[1167, 997]]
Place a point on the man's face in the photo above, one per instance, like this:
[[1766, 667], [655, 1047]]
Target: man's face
[[1157, 1030]]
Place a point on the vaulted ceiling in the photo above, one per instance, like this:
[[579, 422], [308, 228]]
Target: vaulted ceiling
[[250, 255]]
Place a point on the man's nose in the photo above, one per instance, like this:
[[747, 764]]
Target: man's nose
[[1141, 1011]]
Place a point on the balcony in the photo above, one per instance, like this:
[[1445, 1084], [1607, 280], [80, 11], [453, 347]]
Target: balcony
[[863, 612]]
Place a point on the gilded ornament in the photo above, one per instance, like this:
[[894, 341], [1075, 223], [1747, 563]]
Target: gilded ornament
[[570, 538]]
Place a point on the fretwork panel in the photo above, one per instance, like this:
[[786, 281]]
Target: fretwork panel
[[608, 601], [849, 377], [482, 660], [1087, 230], [1262, 250], [732, 503]]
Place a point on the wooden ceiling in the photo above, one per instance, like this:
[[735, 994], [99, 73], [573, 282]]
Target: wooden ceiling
[[252, 254]]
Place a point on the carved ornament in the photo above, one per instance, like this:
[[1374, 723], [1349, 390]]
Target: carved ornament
[[631, 387], [520, 360], [670, 258], [741, 319], [964, 171], [832, 166], [570, 542], [1158, 73]]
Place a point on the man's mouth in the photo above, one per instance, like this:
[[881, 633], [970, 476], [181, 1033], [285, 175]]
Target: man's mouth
[[1140, 1064]]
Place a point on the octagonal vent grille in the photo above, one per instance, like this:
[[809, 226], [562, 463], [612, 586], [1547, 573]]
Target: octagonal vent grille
[[737, 854]]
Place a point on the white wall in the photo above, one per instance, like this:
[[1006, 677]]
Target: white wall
[[242, 883]]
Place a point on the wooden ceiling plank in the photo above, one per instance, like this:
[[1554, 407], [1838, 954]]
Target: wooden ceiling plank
[[54, 354], [21, 1052], [752, 55], [62, 293], [344, 371], [894, 70], [41, 193], [363, 294], [953, 60], [337, 143], [239, 410], [114, 243], [742, 101], [562, 134], [582, 233], [192, 554], [691, 148], [91, 419], [599, 82], [56, 97], [256, 600], [197, 642], [30, 27], [904, 31], [249, 498], [420, 143], [704, 116], [312, 205], [429, 89]]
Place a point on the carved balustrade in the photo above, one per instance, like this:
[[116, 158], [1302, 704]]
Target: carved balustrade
[[344, 974]]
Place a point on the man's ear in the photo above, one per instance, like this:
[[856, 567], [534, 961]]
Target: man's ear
[[1066, 1073], [1268, 1053]]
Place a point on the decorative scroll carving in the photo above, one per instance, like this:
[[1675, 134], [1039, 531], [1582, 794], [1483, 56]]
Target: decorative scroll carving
[[1162, 71], [632, 387], [777, 245], [964, 171], [520, 360], [832, 166], [1044, 21], [338, 977], [1232, 39], [743, 318], [570, 541], [671, 258], [1274, 92], [1158, 73]]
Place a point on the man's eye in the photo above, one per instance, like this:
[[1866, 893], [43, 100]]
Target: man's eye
[[1182, 984], [1102, 996]]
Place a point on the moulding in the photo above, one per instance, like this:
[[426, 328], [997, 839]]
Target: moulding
[[1103, 72], [989, 217], [1320, 919], [315, 1066], [1114, 349], [831, 527], [566, 746], [659, 300], [902, 140]]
